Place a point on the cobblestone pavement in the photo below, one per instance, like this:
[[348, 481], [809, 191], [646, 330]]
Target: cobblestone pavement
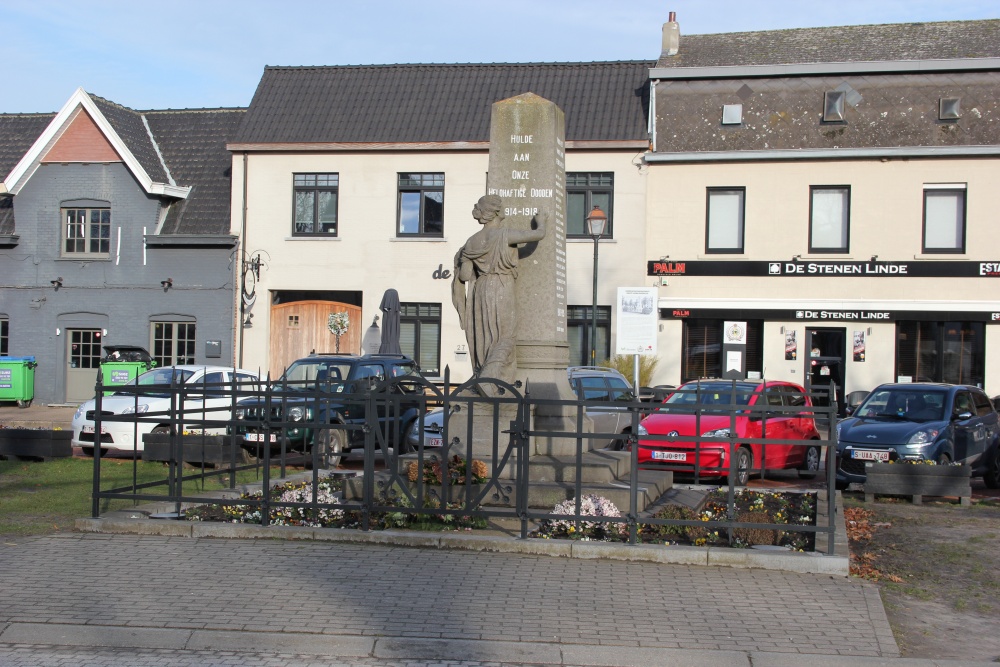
[[339, 590]]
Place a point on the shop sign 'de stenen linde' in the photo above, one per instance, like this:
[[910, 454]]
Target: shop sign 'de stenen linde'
[[805, 268]]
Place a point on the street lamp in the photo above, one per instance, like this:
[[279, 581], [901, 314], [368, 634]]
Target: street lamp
[[596, 222]]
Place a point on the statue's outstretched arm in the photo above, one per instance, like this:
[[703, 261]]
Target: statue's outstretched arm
[[536, 233]]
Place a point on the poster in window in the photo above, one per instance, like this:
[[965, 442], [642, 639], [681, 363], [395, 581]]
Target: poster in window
[[791, 346], [859, 346]]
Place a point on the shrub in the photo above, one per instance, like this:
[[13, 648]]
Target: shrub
[[623, 363]]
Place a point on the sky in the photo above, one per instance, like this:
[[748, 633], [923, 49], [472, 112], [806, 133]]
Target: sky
[[178, 54]]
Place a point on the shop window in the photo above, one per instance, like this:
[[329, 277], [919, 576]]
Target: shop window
[[172, 343], [725, 221], [315, 204], [702, 348], [86, 232], [420, 335], [944, 220], [4, 336], [953, 352], [579, 322], [421, 205], [584, 191], [829, 218]]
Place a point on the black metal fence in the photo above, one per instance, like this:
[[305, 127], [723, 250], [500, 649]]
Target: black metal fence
[[502, 459]]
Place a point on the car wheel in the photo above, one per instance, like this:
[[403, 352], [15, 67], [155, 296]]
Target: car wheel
[[403, 446], [810, 467], [744, 463], [620, 444], [329, 448], [841, 485], [992, 476], [943, 459], [161, 429]]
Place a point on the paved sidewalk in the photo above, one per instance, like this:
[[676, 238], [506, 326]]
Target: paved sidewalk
[[95, 594]]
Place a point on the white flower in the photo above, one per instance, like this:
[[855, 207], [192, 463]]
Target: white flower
[[338, 323]]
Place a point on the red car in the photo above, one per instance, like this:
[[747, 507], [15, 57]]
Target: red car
[[689, 412]]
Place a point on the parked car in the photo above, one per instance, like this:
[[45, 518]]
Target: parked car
[[689, 412], [307, 394], [148, 397], [921, 421], [596, 383]]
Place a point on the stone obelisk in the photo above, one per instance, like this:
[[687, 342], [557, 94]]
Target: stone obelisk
[[527, 171]]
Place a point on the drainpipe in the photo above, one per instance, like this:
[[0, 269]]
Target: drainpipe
[[242, 247]]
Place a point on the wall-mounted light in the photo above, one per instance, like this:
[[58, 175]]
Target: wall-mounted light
[[167, 284], [874, 258], [664, 258], [58, 331], [782, 329], [57, 283], [248, 323], [796, 258], [869, 331]]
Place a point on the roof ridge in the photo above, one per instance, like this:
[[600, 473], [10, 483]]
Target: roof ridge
[[587, 63], [844, 27], [192, 110]]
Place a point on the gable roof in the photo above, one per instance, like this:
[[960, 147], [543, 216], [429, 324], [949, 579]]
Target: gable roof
[[441, 103], [177, 154], [944, 40]]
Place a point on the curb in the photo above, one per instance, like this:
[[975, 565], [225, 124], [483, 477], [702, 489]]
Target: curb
[[804, 563]]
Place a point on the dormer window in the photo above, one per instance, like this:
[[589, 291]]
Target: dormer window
[[834, 104], [86, 230]]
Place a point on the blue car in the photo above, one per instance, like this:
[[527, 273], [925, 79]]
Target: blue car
[[922, 421]]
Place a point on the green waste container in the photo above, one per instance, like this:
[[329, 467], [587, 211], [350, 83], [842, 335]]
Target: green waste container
[[122, 364], [17, 380]]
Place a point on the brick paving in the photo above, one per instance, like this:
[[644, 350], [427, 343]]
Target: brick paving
[[320, 588]]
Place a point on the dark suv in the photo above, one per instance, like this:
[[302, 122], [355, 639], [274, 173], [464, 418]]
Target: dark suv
[[329, 389]]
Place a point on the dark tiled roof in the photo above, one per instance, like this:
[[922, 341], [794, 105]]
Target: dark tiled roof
[[860, 43], [418, 103], [193, 143], [17, 133], [129, 126]]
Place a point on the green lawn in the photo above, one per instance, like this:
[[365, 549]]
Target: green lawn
[[46, 497]]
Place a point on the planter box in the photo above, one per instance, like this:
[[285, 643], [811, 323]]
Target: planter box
[[916, 481], [35, 443], [195, 449]]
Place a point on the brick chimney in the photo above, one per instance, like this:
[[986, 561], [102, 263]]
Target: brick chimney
[[671, 36]]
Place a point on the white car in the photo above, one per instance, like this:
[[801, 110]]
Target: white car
[[150, 407]]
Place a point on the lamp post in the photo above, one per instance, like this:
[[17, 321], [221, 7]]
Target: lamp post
[[596, 222]]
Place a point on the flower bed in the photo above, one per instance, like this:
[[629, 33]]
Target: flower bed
[[751, 507]]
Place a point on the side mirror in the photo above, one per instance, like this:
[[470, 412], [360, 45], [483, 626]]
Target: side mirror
[[962, 416]]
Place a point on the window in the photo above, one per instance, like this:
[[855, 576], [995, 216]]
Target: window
[[952, 352], [4, 336], [420, 335], [421, 205], [944, 220], [829, 218], [724, 227], [315, 204], [293, 321], [702, 348], [584, 191], [834, 106], [172, 343], [87, 232], [578, 325]]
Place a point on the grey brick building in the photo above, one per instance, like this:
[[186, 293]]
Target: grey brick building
[[114, 230]]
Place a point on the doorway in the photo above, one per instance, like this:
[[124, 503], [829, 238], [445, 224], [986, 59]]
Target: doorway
[[83, 358], [825, 364]]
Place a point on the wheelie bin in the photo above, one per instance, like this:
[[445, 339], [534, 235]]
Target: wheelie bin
[[17, 380], [123, 363]]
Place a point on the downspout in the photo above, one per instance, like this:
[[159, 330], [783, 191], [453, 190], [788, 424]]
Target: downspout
[[242, 264]]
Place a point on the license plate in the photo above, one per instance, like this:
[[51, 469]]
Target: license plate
[[869, 455], [260, 437], [87, 428], [434, 442], [669, 456]]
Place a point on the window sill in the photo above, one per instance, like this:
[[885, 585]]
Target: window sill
[[723, 255], [942, 256], [843, 256], [82, 258], [312, 238], [424, 239], [578, 239]]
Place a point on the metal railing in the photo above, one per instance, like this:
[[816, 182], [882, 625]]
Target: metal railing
[[501, 434]]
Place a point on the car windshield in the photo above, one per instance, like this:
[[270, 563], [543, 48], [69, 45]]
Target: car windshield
[[157, 376], [705, 395], [307, 371], [904, 404]]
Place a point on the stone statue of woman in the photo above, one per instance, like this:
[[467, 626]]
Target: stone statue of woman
[[483, 288]]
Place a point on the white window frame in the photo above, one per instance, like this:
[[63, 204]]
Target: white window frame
[[725, 220], [944, 218]]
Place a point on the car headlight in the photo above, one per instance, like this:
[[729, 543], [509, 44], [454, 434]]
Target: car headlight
[[923, 437], [240, 413], [716, 433], [296, 414], [79, 413], [642, 430], [840, 425], [135, 409]]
